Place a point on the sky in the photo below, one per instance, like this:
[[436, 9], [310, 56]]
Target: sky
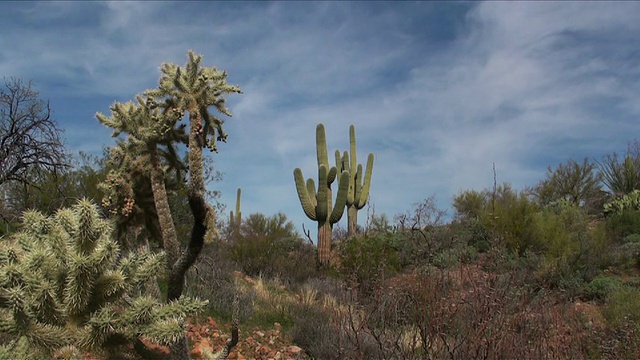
[[438, 91]]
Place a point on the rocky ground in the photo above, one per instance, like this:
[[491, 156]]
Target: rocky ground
[[257, 344]]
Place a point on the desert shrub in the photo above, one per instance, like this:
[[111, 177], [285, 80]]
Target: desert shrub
[[420, 234], [632, 238], [501, 215], [470, 205], [623, 307], [418, 247], [461, 313], [369, 258], [270, 246], [452, 257], [213, 277], [557, 231], [623, 224], [626, 256], [601, 287], [314, 333], [477, 235], [575, 183], [573, 251], [630, 254], [512, 221]]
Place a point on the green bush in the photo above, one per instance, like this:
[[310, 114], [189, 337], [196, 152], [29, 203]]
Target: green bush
[[270, 246], [366, 258], [452, 257], [478, 235], [632, 238], [623, 224], [623, 306], [558, 231], [596, 252], [601, 287], [470, 205], [503, 214]]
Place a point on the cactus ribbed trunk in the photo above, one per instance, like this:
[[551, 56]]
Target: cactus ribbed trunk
[[161, 200], [324, 242], [352, 220]]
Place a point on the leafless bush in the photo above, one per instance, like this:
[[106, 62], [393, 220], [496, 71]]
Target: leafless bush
[[464, 313], [213, 278]]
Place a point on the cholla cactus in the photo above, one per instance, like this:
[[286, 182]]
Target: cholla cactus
[[65, 288]]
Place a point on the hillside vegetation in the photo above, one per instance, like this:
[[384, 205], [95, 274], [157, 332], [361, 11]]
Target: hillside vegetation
[[130, 256]]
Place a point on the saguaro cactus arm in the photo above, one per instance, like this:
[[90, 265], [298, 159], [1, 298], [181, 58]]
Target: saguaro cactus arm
[[341, 198], [321, 146], [362, 196], [306, 192], [322, 207]]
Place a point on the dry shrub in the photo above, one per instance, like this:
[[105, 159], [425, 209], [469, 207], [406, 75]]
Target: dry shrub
[[464, 313], [213, 277]]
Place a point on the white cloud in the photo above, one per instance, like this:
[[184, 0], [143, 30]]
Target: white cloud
[[438, 101]]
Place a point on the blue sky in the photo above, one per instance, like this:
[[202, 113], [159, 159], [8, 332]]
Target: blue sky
[[438, 91]]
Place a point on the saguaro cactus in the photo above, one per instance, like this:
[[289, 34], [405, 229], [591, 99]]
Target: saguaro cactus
[[358, 193], [317, 205], [236, 220]]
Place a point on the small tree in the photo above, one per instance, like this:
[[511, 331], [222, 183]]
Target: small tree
[[30, 142], [270, 246], [622, 176], [577, 183], [469, 205], [49, 192]]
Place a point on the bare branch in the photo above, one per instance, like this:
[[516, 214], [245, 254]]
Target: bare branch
[[30, 142]]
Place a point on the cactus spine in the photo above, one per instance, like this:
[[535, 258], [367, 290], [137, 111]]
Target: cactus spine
[[65, 288], [317, 205], [236, 220], [358, 185]]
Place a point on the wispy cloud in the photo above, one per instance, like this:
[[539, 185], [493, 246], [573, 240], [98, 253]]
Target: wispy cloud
[[438, 91]]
